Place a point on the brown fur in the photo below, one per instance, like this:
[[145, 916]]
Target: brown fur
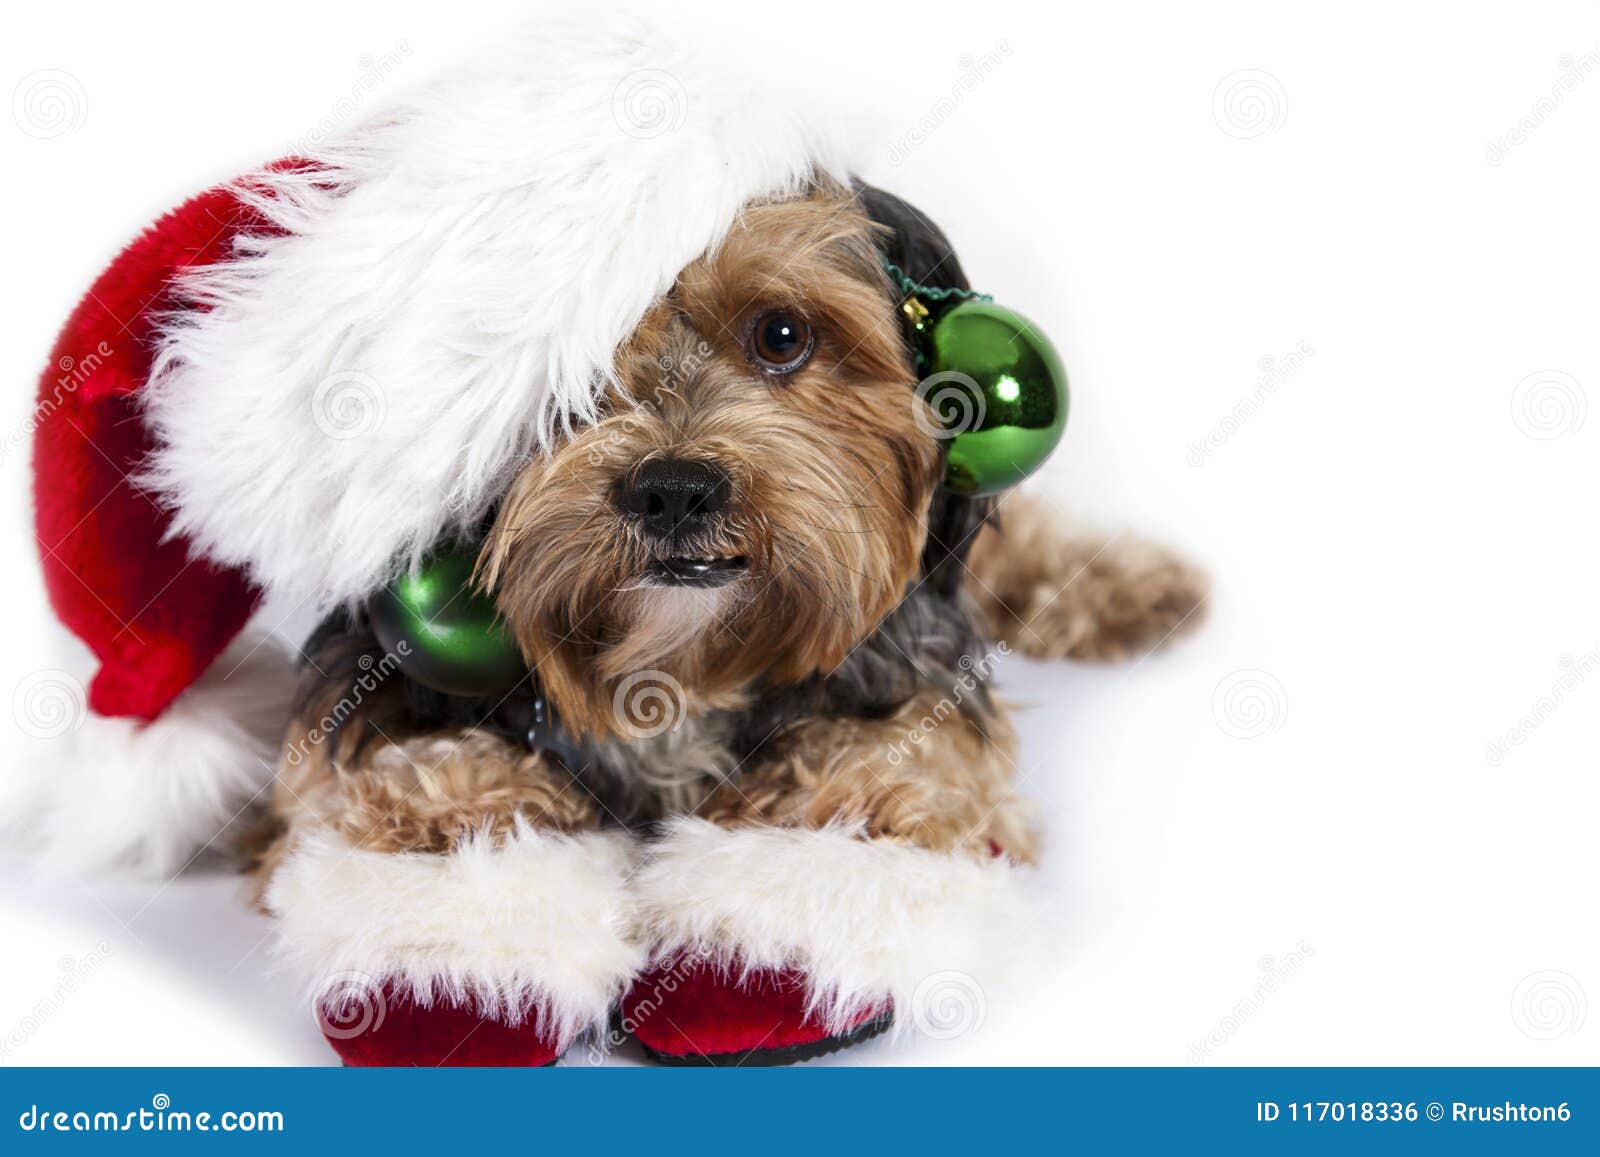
[[407, 793], [936, 774], [831, 475], [425, 794], [1057, 596]]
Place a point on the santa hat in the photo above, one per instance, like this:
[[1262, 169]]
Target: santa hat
[[296, 383]]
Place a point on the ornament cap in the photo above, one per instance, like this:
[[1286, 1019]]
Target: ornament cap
[[915, 311]]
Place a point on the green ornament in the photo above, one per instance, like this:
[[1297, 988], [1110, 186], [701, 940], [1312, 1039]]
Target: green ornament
[[998, 386], [454, 640]]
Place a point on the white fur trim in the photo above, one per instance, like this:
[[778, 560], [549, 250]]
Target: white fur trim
[[866, 920], [538, 926], [448, 290], [118, 793]]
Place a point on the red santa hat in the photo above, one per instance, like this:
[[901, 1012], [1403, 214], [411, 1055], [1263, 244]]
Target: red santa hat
[[294, 384]]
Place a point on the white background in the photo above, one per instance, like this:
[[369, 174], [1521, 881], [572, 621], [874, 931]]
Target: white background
[[1401, 532]]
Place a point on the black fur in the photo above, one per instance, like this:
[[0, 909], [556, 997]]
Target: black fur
[[923, 253]]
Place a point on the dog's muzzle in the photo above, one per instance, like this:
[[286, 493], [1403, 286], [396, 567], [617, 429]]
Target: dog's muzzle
[[679, 503]]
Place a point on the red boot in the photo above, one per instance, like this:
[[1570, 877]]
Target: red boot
[[388, 1028], [697, 1013], [535, 922]]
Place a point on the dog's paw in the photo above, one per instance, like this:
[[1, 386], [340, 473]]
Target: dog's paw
[[1123, 603], [1056, 597]]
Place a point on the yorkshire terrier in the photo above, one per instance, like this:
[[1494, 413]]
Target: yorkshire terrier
[[761, 636]]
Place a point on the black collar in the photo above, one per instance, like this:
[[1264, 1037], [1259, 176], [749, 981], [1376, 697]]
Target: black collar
[[523, 715], [532, 721]]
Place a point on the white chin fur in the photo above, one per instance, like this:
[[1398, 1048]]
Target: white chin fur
[[663, 621]]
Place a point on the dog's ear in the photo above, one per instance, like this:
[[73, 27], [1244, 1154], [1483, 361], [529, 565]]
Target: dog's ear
[[924, 254], [913, 241]]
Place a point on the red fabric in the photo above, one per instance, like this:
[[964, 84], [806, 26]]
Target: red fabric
[[388, 1029], [695, 1008], [153, 617]]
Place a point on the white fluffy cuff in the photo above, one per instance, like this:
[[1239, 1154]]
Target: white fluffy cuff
[[151, 797], [538, 926], [866, 920]]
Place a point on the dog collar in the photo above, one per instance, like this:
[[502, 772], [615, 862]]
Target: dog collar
[[531, 720]]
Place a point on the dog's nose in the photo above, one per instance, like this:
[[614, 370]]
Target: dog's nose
[[674, 495]]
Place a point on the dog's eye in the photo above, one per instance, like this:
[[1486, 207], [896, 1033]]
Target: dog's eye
[[781, 341]]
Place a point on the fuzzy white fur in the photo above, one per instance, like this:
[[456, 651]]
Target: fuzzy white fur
[[152, 797], [538, 927], [446, 292], [866, 920]]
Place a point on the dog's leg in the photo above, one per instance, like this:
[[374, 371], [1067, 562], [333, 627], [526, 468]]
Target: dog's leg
[[448, 896], [935, 775], [825, 896], [1055, 595]]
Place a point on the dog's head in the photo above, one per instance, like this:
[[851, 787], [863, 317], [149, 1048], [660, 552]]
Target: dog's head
[[757, 495]]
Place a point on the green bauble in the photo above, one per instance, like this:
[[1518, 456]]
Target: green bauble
[[999, 387], [454, 639]]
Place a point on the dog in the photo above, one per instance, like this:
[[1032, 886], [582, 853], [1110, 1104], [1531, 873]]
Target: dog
[[758, 617]]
